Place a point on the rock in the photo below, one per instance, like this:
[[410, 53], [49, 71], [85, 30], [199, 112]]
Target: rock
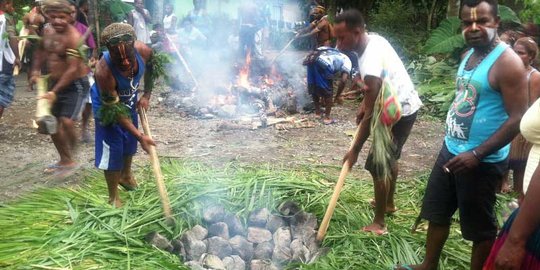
[[219, 247], [234, 263], [300, 253], [194, 248], [258, 218], [282, 238], [320, 253], [159, 241], [289, 208], [199, 232], [212, 262], [262, 265], [242, 247], [219, 229], [178, 249], [213, 214], [274, 222], [264, 251], [304, 219], [258, 235], [282, 255], [194, 265], [235, 225]]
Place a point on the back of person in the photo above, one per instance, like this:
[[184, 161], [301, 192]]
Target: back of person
[[381, 60]]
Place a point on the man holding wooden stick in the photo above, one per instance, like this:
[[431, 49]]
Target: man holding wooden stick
[[9, 54], [378, 61], [115, 102], [59, 50]]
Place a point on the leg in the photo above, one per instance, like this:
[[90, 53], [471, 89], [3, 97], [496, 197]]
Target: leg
[[87, 112], [126, 176], [62, 146], [436, 237], [380, 187], [113, 178], [71, 133], [317, 104], [390, 203], [480, 253], [328, 109]]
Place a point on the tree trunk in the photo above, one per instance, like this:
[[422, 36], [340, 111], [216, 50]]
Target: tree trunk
[[453, 8], [157, 15], [93, 9]]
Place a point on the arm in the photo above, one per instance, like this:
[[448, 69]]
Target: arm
[[363, 118], [527, 220], [341, 86], [509, 76], [535, 87], [313, 29], [147, 54]]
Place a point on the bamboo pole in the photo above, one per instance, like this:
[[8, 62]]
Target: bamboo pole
[[184, 62], [45, 122], [337, 191], [157, 169], [282, 51]]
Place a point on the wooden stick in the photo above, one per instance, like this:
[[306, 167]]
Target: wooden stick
[[21, 48], [337, 190], [184, 62], [157, 169], [282, 51]]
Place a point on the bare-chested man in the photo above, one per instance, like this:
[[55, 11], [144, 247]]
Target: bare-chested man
[[33, 22], [115, 100], [320, 28], [68, 84]]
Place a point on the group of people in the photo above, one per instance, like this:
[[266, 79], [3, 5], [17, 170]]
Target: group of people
[[495, 85]]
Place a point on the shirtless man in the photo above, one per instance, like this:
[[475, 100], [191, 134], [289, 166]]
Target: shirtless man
[[34, 23], [321, 28], [68, 85], [114, 100]]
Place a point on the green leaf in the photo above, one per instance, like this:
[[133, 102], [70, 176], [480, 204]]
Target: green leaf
[[508, 15], [446, 38]]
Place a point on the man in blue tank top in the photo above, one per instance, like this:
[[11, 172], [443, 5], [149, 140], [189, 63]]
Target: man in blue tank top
[[484, 117], [115, 102]]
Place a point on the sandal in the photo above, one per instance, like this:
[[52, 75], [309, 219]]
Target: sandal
[[329, 121]]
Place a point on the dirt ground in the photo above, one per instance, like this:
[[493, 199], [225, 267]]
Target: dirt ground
[[25, 153]]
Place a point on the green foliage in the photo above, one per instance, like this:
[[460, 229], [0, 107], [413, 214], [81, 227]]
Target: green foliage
[[159, 64], [508, 15], [116, 9], [446, 38], [76, 229], [531, 11]]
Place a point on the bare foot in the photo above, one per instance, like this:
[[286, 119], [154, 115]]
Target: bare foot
[[116, 203], [129, 183], [375, 228], [390, 209]]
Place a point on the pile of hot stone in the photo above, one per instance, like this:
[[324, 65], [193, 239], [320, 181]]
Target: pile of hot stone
[[270, 241]]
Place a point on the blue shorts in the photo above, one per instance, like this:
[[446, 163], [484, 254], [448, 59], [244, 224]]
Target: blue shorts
[[7, 88], [319, 80], [114, 143]]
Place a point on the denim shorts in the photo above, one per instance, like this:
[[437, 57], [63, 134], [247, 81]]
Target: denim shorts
[[7, 89]]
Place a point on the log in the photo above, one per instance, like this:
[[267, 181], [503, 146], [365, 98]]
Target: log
[[46, 122]]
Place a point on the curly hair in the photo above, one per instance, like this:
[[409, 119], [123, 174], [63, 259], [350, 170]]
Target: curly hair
[[116, 29], [63, 6]]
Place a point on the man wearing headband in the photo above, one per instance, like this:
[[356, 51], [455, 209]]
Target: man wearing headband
[[115, 101], [320, 27], [60, 51]]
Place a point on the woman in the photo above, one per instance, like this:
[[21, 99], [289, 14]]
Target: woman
[[518, 245], [527, 50]]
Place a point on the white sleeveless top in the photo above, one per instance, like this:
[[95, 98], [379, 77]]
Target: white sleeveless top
[[168, 22]]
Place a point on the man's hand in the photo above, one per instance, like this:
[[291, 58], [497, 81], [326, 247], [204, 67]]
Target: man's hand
[[50, 96], [17, 63], [144, 103], [351, 157], [510, 256], [146, 142], [462, 163], [360, 113]]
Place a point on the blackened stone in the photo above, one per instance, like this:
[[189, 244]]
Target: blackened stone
[[274, 222], [213, 214], [289, 208], [159, 241], [219, 229], [258, 235], [300, 253], [178, 249], [242, 247], [219, 247], [282, 238], [235, 225], [282, 255], [194, 248], [258, 218], [264, 251], [303, 219]]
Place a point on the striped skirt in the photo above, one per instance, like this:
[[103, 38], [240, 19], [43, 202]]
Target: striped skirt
[[532, 257]]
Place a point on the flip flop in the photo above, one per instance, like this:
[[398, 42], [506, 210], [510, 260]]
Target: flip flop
[[378, 232], [332, 121], [404, 266]]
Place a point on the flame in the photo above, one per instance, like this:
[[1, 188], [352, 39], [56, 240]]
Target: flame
[[243, 77]]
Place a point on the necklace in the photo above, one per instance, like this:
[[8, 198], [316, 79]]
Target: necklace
[[477, 64]]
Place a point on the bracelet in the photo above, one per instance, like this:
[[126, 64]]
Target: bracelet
[[476, 155]]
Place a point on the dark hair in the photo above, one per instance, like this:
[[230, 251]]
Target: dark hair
[[82, 2], [352, 18], [473, 3]]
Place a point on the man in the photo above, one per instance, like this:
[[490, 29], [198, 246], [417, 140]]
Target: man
[[114, 100], [320, 28], [34, 22], [68, 85], [376, 57], [249, 19], [9, 54], [170, 20], [138, 18], [87, 111], [322, 66], [484, 117]]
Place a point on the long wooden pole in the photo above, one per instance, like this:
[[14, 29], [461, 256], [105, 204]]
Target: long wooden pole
[[157, 169], [282, 51], [337, 191], [184, 62]]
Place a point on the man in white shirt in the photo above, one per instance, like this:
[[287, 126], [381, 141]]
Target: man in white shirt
[[9, 54], [138, 18], [378, 61]]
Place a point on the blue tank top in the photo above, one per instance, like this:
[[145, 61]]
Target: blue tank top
[[126, 88], [477, 111]]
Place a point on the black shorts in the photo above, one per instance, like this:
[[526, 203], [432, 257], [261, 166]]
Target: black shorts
[[70, 100], [400, 133], [473, 193]]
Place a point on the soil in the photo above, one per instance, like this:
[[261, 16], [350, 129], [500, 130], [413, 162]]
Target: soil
[[26, 153]]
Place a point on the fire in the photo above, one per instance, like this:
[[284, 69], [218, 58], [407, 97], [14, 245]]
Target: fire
[[243, 77]]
